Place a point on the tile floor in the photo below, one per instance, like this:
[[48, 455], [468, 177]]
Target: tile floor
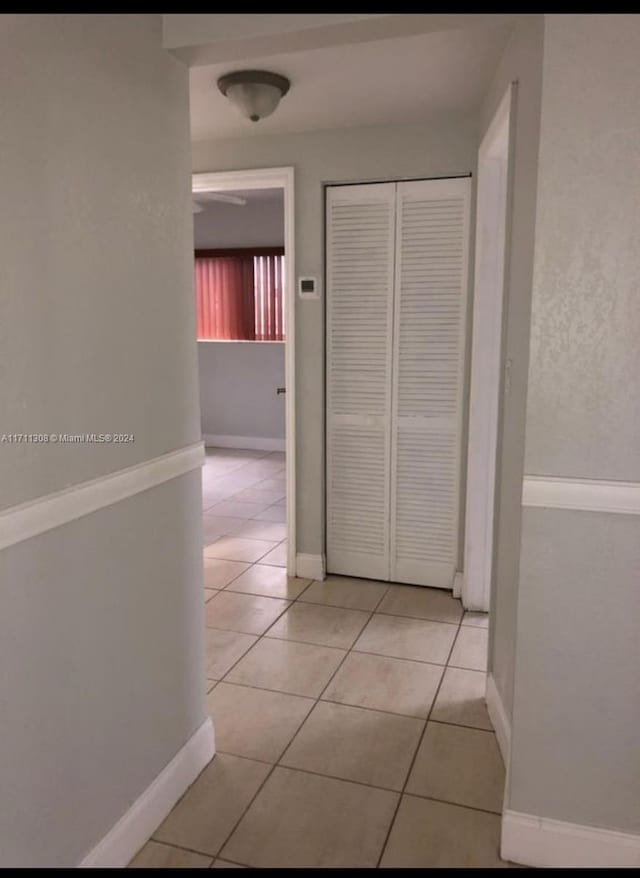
[[350, 723]]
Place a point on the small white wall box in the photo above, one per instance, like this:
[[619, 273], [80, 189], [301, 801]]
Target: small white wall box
[[308, 287]]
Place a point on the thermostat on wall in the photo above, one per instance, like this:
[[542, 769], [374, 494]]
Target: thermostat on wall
[[308, 287]]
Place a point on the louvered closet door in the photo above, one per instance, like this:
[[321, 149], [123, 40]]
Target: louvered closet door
[[428, 379], [360, 262]]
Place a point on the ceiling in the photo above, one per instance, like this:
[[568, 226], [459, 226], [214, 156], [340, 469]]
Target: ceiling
[[386, 82], [252, 196]]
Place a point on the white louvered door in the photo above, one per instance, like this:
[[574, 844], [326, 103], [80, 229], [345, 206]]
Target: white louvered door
[[360, 239], [397, 257], [431, 280]]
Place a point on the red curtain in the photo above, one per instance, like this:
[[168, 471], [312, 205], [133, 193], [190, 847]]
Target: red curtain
[[269, 278], [225, 297], [240, 297]]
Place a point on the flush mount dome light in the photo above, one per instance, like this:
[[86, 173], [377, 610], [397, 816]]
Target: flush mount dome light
[[256, 93]]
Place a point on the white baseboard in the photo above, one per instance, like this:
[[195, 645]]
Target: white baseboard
[[253, 443], [545, 843], [136, 826], [310, 566], [499, 719], [27, 520]]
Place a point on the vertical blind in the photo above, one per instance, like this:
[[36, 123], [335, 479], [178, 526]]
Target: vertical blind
[[240, 295]]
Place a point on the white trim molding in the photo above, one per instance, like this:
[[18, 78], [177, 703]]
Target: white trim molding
[[27, 520], [254, 443], [310, 566], [270, 178], [136, 826], [499, 719], [584, 495], [545, 843]]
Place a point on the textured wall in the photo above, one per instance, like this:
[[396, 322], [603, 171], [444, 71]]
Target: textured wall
[[446, 145], [577, 699]]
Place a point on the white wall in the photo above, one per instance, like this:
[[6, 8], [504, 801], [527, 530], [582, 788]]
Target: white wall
[[577, 691], [522, 63], [238, 380], [101, 628], [443, 145]]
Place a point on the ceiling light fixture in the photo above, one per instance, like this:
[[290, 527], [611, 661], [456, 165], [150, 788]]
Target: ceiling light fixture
[[255, 93]]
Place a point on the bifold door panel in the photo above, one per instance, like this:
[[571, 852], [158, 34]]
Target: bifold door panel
[[397, 277]]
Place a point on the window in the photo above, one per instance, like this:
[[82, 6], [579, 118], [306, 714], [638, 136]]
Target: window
[[240, 294]]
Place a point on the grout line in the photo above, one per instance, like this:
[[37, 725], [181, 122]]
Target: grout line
[[417, 750], [180, 847]]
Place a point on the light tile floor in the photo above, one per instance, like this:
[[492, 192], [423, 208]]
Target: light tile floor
[[351, 728]]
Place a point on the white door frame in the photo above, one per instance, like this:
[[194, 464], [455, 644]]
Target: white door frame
[[486, 354], [270, 178]]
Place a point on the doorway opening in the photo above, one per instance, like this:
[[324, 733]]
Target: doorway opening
[[244, 287]]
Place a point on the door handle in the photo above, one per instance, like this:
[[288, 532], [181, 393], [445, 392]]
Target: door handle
[[281, 390]]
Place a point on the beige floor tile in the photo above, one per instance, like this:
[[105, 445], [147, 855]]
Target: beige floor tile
[[247, 613], [255, 723], [208, 811], [476, 620], [415, 639], [209, 593], [239, 549], [258, 494], [325, 626], [273, 513], [470, 650], [459, 765], [273, 482], [383, 683], [209, 684], [225, 864], [269, 581], [274, 531], [429, 835], [302, 820], [277, 556], [223, 649], [461, 699], [218, 573], [216, 526], [285, 666], [238, 508], [365, 746], [155, 855], [352, 594], [421, 603]]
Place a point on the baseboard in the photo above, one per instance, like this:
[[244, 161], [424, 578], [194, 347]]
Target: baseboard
[[457, 584], [136, 826], [499, 719], [310, 566], [30, 519], [545, 843], [253, 443], [583, 495]]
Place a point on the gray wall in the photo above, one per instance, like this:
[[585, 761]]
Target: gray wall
[[521, 61], [258, 223], [101, 639], [238, 380], [443, 145], [577, 692]]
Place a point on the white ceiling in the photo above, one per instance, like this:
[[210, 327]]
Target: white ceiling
[[387, 82]]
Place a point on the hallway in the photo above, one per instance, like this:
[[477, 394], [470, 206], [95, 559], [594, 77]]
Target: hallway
[[349, 715]]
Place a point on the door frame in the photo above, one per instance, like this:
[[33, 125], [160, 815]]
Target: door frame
[[495, 160], [270, 178]]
